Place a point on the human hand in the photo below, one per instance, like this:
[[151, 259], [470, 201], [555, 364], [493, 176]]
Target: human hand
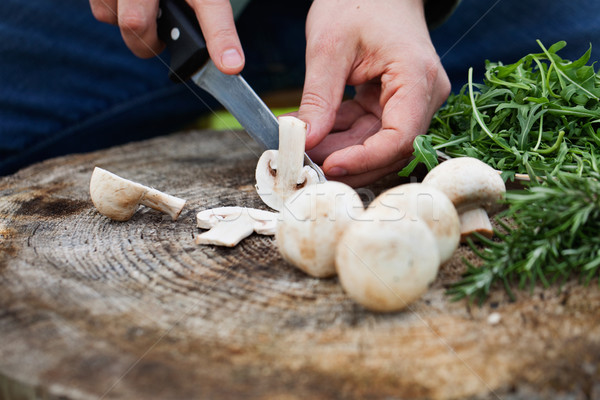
[[137, 22], [382, 48]]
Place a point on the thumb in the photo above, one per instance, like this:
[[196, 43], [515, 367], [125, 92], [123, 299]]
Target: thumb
[[322, 95]]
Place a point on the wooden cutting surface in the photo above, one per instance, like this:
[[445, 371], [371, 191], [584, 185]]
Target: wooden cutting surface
[[95, 309]]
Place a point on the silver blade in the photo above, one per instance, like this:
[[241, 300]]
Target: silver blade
[[234, 93]]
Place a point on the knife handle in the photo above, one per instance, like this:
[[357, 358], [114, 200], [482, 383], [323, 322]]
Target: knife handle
[[178, 27]]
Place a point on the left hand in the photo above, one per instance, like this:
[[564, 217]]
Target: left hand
[[382, 48]]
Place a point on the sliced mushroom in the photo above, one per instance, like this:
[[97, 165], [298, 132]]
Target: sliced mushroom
[[474, 188], [311, 223], [429, 204], [118, 198], [385, 263], [229, 225], [280, 173]]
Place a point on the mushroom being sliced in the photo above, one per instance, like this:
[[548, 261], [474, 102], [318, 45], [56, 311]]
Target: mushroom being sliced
[[281, 173], [474, 188], [229, 225], [118, 198]]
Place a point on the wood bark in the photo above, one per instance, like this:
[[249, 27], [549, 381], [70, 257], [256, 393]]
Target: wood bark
[[96, 309]]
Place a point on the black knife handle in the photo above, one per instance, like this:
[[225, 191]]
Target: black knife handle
[[180, 30]]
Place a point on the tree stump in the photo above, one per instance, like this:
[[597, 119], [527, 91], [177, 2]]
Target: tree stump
[[96, 309]]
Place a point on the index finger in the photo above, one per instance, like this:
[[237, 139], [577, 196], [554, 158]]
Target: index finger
[[218, 27]]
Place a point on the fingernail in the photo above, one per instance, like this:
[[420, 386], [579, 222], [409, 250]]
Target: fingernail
[[231, 58], [337, 171]]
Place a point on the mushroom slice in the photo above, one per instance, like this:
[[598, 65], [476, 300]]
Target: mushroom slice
[[280, 173], [311, 223], [118, 198], [474, 188], [229, 225], [429, 204]]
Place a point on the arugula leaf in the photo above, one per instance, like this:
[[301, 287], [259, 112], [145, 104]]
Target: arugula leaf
[[539, 115], [423, 153]]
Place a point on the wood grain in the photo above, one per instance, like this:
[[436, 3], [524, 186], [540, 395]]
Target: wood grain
[[95, 309]]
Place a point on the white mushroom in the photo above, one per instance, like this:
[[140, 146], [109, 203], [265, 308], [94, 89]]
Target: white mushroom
[[229, 225], [474, 188], [280, 173], [118, 198], [385, 263], [311, 223], [429, 204]]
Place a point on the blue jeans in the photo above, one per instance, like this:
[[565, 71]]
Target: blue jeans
[[68, 83], [506, 30]]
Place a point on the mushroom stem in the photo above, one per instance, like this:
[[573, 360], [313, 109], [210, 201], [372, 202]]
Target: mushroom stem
[[281, 173], [163, 202], [118, 198], [291, 152], [475, 220]]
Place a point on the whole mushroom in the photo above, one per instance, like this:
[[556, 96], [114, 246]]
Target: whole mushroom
[[430, 205], [118, 198], [311, 223], [280, 173], [385, 263], [474, 188]]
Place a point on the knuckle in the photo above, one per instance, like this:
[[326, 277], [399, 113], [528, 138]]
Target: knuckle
[[223, 34], [326, 43], [444, 85], [315, 101], [433, 70], [133, 23]]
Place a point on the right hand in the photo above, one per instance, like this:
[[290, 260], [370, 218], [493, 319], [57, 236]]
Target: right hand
[[137, 22]]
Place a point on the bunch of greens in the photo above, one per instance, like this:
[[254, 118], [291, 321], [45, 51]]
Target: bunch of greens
[[553, 234], [538, 116]]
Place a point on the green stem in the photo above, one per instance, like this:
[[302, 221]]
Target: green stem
[[477, 115], [555, 146]]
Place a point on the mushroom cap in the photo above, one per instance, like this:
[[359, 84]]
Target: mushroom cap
[[265, 173], [267, 187], [115, 197], [469, 183], [311, 223], [430, 205], [385, 264]]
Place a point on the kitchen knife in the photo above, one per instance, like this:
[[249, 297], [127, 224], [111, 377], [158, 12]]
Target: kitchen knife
[[179, 29]]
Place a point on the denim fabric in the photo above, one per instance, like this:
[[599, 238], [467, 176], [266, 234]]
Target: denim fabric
[[506, 30], [69, 84]]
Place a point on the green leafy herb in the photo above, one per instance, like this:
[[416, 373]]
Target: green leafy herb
[[553, 234], [538, 116], [424, 153]]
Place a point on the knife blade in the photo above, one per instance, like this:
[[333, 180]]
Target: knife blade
[[179, 29]]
